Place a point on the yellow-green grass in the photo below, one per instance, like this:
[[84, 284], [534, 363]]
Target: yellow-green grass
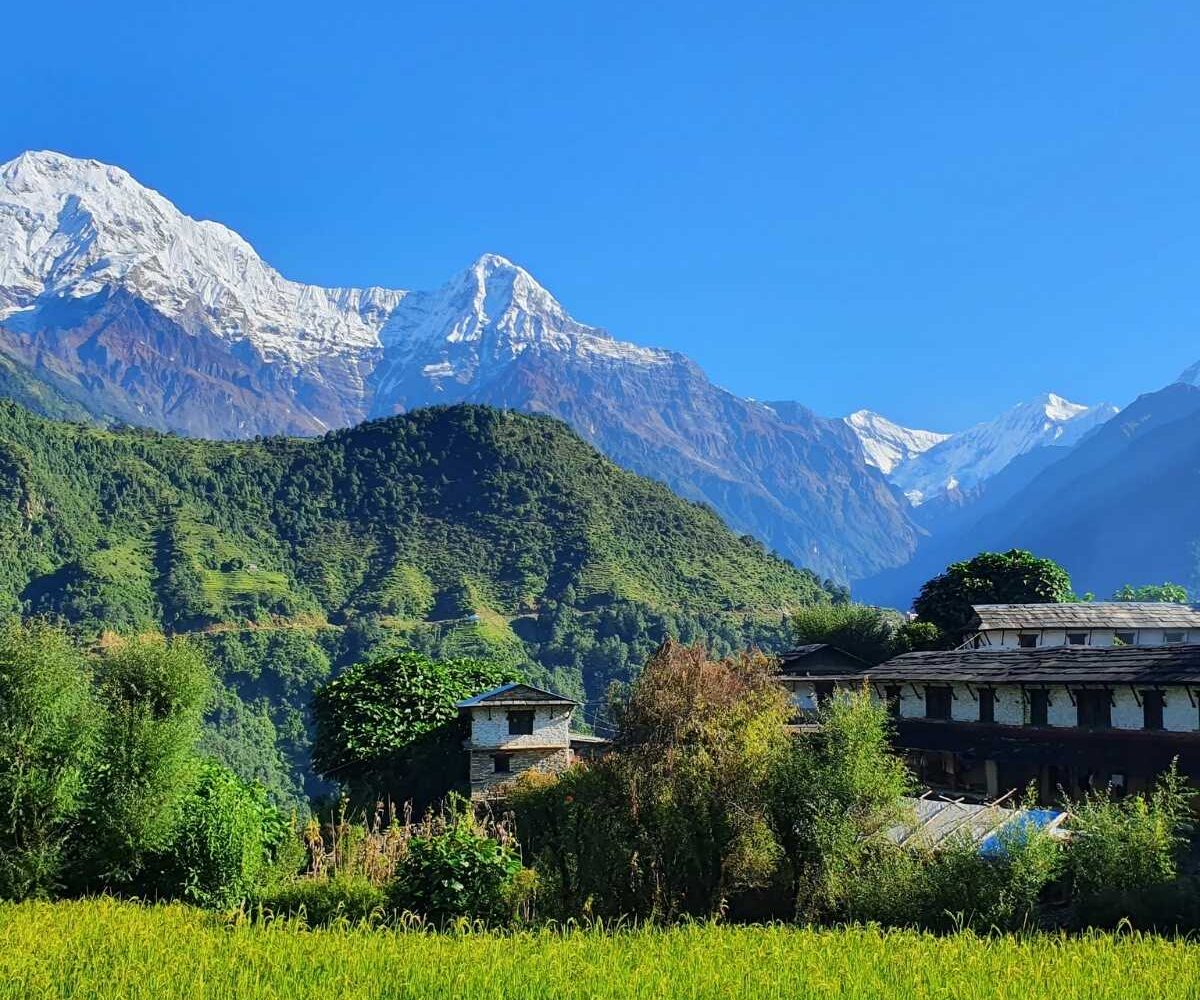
[[102, 948]]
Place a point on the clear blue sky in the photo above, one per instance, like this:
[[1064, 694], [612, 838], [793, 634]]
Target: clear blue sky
[[933, 210]]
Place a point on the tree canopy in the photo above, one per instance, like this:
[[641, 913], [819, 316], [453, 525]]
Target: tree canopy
[[1170, 592], [1012, 577], [378, 718]]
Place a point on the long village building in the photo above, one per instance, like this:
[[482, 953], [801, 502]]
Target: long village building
[[1110, 711]]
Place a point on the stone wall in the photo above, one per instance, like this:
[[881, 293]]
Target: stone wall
[[551, 726], [485, 780]]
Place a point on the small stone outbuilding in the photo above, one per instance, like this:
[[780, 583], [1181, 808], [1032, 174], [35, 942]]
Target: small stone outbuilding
[[516, 728]]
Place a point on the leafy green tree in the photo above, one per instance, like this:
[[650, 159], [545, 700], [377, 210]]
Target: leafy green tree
[[871, 634], [47, 731], [917, 636], [222, 844], [153, 692], [383, 724], [1172, 593], [833, 795], [1012, 577]]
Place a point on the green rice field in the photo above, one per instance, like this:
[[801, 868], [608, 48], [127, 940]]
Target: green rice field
[[105, 948]]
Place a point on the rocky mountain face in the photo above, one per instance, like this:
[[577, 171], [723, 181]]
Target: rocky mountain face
[[113, 301]]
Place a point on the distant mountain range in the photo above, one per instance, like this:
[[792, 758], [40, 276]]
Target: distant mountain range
[[927, 465], [1117, 507], [117, 306]]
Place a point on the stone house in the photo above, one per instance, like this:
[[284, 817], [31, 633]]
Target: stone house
[[515, 728], [810, 674]]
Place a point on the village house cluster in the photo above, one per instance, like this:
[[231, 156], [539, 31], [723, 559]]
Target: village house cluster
[[1069, 697]]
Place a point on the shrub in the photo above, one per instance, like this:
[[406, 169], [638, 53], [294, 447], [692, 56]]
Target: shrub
[[319, 902], [582, 836], [222, 848], [833, 794], [955, 885], [460, 872], [1168, 907], [47, 725], [1122, 847], [153, 692]]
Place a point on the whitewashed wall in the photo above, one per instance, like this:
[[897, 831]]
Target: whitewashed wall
[[551, 727], [804, 695], [1180, 715], [1009, 638]]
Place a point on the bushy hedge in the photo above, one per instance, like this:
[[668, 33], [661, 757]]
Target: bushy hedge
[[460, 872]]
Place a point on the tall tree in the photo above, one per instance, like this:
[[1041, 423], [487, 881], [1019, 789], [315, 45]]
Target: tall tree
[[698, 741], [1012, 577], [385, 728], [47, 728], [154, 692]]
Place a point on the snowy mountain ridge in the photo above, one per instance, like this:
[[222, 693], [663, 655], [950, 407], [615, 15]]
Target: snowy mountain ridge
[[962, 461], [116, 304], [886, 444], [72, 228]]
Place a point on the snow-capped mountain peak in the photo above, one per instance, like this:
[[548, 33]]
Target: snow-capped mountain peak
[[483, 318], [886, 444], [965, 459], [72, 228]]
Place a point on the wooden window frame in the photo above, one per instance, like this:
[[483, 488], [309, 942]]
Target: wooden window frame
[[520, 722]]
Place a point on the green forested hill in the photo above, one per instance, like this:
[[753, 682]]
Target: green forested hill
[[456, 530]]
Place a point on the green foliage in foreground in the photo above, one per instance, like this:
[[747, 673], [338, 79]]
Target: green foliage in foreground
[[460, 872], [103, 949]]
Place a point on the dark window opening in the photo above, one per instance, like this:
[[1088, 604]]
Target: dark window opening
[[824, 691], [1094, 709], [1039, 708], [1124, 638], [892, 693], [501, 763], [1173, 638], [520, 723], [1077, 638], [1027, 640], [987, 705], [937, 702], [1152, 709]]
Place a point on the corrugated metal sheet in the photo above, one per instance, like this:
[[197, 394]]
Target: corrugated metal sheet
[[936, 821]]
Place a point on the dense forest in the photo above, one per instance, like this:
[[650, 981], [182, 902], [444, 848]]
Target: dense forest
[[457, 531]]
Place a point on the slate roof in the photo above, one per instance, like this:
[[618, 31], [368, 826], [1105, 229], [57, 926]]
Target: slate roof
[[1087, 614], [1048, 665], [818, 658], [515, 694]]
